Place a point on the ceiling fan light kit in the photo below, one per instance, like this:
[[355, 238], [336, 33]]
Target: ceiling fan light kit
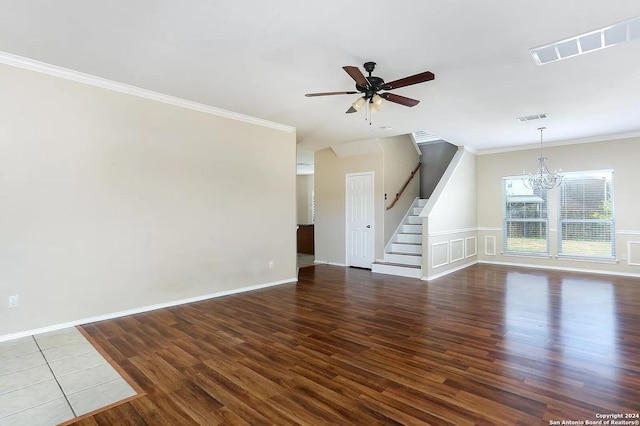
[[358, 104], [370, 86]]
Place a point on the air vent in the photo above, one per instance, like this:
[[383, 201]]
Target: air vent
[[424, 137], [532, 117], [591, 41]]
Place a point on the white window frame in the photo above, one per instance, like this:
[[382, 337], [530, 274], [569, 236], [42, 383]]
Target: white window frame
[[611, 221], [506, 221]]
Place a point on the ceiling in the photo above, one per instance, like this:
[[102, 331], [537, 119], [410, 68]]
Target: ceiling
[[260, 57]]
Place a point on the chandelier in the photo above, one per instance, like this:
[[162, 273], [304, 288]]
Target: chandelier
[[542, 178]]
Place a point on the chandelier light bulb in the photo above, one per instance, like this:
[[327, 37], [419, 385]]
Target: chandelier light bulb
[[377, 100], [358, 104]]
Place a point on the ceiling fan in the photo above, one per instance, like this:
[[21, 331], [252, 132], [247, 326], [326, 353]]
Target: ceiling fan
[[371, 85]]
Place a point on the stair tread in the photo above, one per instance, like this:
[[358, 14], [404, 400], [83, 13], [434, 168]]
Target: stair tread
[[406, 244], [402, 265], [404, 254]]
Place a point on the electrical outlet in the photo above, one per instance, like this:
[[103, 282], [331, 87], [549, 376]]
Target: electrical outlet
[[271, 264], [13, 301]]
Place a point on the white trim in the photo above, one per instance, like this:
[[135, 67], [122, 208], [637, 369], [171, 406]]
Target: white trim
[[500, 230], [141, 310], [80, 77], [629, 253], [447, 251], [475, 246], [452, 232], [554, 268], [442, 274], [526, 254], [451, 259], [487, 238], [573, 258], [627, 232], [415, 144], [603, 138], [326, 262]]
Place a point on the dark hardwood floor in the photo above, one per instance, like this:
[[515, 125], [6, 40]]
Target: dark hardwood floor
[[485, 345]]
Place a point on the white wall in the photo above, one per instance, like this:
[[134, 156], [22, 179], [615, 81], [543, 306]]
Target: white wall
[[112, 202], [620, 155], [449, 237]]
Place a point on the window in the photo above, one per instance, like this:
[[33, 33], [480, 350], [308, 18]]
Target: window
[[586, 215], [526, 222]]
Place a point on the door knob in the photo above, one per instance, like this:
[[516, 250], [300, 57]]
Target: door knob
[[368, 226]]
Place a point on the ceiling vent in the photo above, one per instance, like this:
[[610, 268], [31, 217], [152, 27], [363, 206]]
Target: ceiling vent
[[532, 117], [588, 42], [424, 137]]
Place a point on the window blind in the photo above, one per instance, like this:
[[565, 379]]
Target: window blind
[[586, 215], [526, 220]]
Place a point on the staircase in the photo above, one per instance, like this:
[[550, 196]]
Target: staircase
[[403, 254]]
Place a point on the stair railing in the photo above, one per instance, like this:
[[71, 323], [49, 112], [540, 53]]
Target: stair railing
[[399, 194]]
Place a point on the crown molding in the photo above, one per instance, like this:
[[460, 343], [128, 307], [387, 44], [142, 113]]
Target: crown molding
[[602, 138], [92, 80]]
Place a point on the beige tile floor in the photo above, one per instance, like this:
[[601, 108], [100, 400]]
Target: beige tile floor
[[53, 377]]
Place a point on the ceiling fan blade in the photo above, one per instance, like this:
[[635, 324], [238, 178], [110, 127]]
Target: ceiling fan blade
[[392, 97], [357, 75], [310, 95], [351, 110], [408, 81]]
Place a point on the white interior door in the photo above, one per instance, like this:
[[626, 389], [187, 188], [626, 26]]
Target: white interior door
[[360, 234]]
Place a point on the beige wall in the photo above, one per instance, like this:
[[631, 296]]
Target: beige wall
[[400, 158], [450, 219], [112, 202], [619, 155], [304, 189], [330, 181]]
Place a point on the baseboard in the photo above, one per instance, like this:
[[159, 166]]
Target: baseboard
[[449, 271], [133, 311], [556, 268], [324, 262]]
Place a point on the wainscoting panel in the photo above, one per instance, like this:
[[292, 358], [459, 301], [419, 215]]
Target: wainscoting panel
[[439, 254], [633, 252], [470, 246], [490, 245], [457, 250]]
